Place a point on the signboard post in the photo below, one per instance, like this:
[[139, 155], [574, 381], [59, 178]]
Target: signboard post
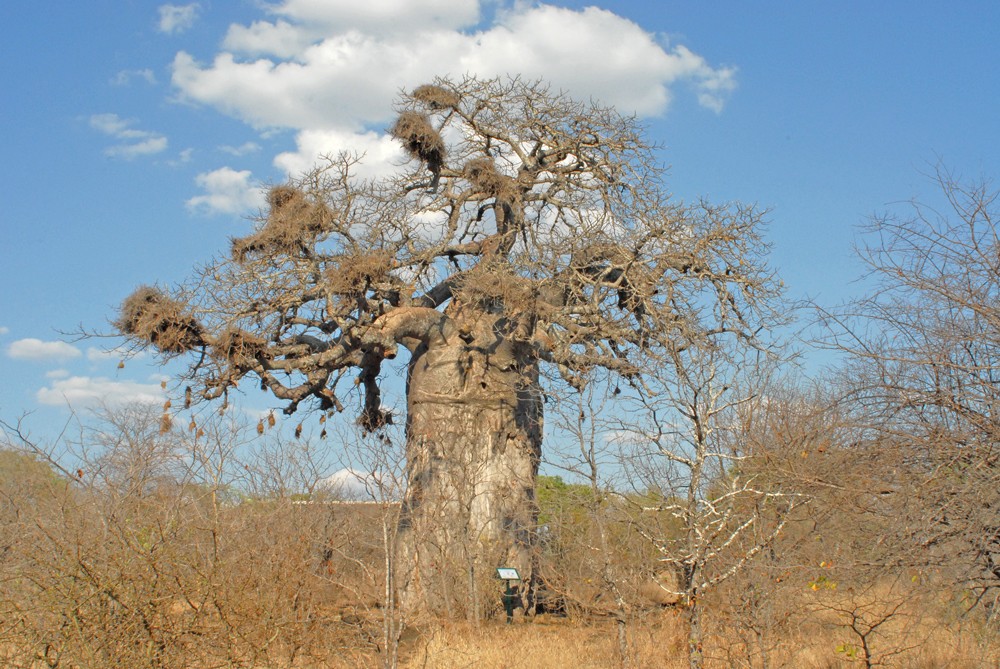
[[509, 598]]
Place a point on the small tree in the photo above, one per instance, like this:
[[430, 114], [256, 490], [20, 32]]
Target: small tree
[[709, 512], [530, 235]]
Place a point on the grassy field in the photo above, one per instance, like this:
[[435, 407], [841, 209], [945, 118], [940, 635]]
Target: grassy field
[[657, 641]]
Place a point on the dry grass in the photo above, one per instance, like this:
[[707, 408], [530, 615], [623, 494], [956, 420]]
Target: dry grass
[[551, 644], [655, 642], [658, 642]]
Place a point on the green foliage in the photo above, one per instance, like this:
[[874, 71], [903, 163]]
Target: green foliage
[[559, 501]]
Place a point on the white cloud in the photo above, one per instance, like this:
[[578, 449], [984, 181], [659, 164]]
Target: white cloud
[[4, 329], [125, 77], [383, 15], [183, 158], [134, 142], [262, 38], [177, 18], [111, 124], [227, 191], [350, 483], [714, 86], [351, 74], [242, 150], [84, 391], [330, 70], [381, 151], [57, 374], [146, 147], [36, 349]]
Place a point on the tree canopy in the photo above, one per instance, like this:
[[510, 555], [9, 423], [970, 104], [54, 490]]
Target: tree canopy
[[549, 214]]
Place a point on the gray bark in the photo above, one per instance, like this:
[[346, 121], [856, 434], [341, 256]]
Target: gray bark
[[474, 432]]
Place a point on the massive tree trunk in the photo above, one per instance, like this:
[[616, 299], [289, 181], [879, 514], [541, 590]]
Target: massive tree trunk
[[474, 432]]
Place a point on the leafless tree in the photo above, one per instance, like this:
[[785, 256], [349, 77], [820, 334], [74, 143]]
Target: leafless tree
[[529, 235], [707, 513], [924, 364]]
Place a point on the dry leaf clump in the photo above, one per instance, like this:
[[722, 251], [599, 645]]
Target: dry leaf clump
[[420, 139], [482, 173], [436, 97], [294, 220], [152, 316], [352, 274], [240, 347]]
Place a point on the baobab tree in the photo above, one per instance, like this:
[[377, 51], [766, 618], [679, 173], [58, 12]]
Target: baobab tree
[[529, 239]]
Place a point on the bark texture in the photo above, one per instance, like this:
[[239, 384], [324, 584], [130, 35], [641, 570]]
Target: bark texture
[[474, 434]]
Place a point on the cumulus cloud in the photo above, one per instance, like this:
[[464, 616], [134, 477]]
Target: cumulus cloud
[[133, 142], [227, 191], [331, 70], [177, 18], [36, 349], [381, 151], [86, 391], [262, 38]]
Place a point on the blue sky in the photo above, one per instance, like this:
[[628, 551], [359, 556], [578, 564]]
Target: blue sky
[[134, 145]]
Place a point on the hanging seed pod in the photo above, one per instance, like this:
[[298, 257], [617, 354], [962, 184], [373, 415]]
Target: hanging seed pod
[[260, 427], [165, 423]]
